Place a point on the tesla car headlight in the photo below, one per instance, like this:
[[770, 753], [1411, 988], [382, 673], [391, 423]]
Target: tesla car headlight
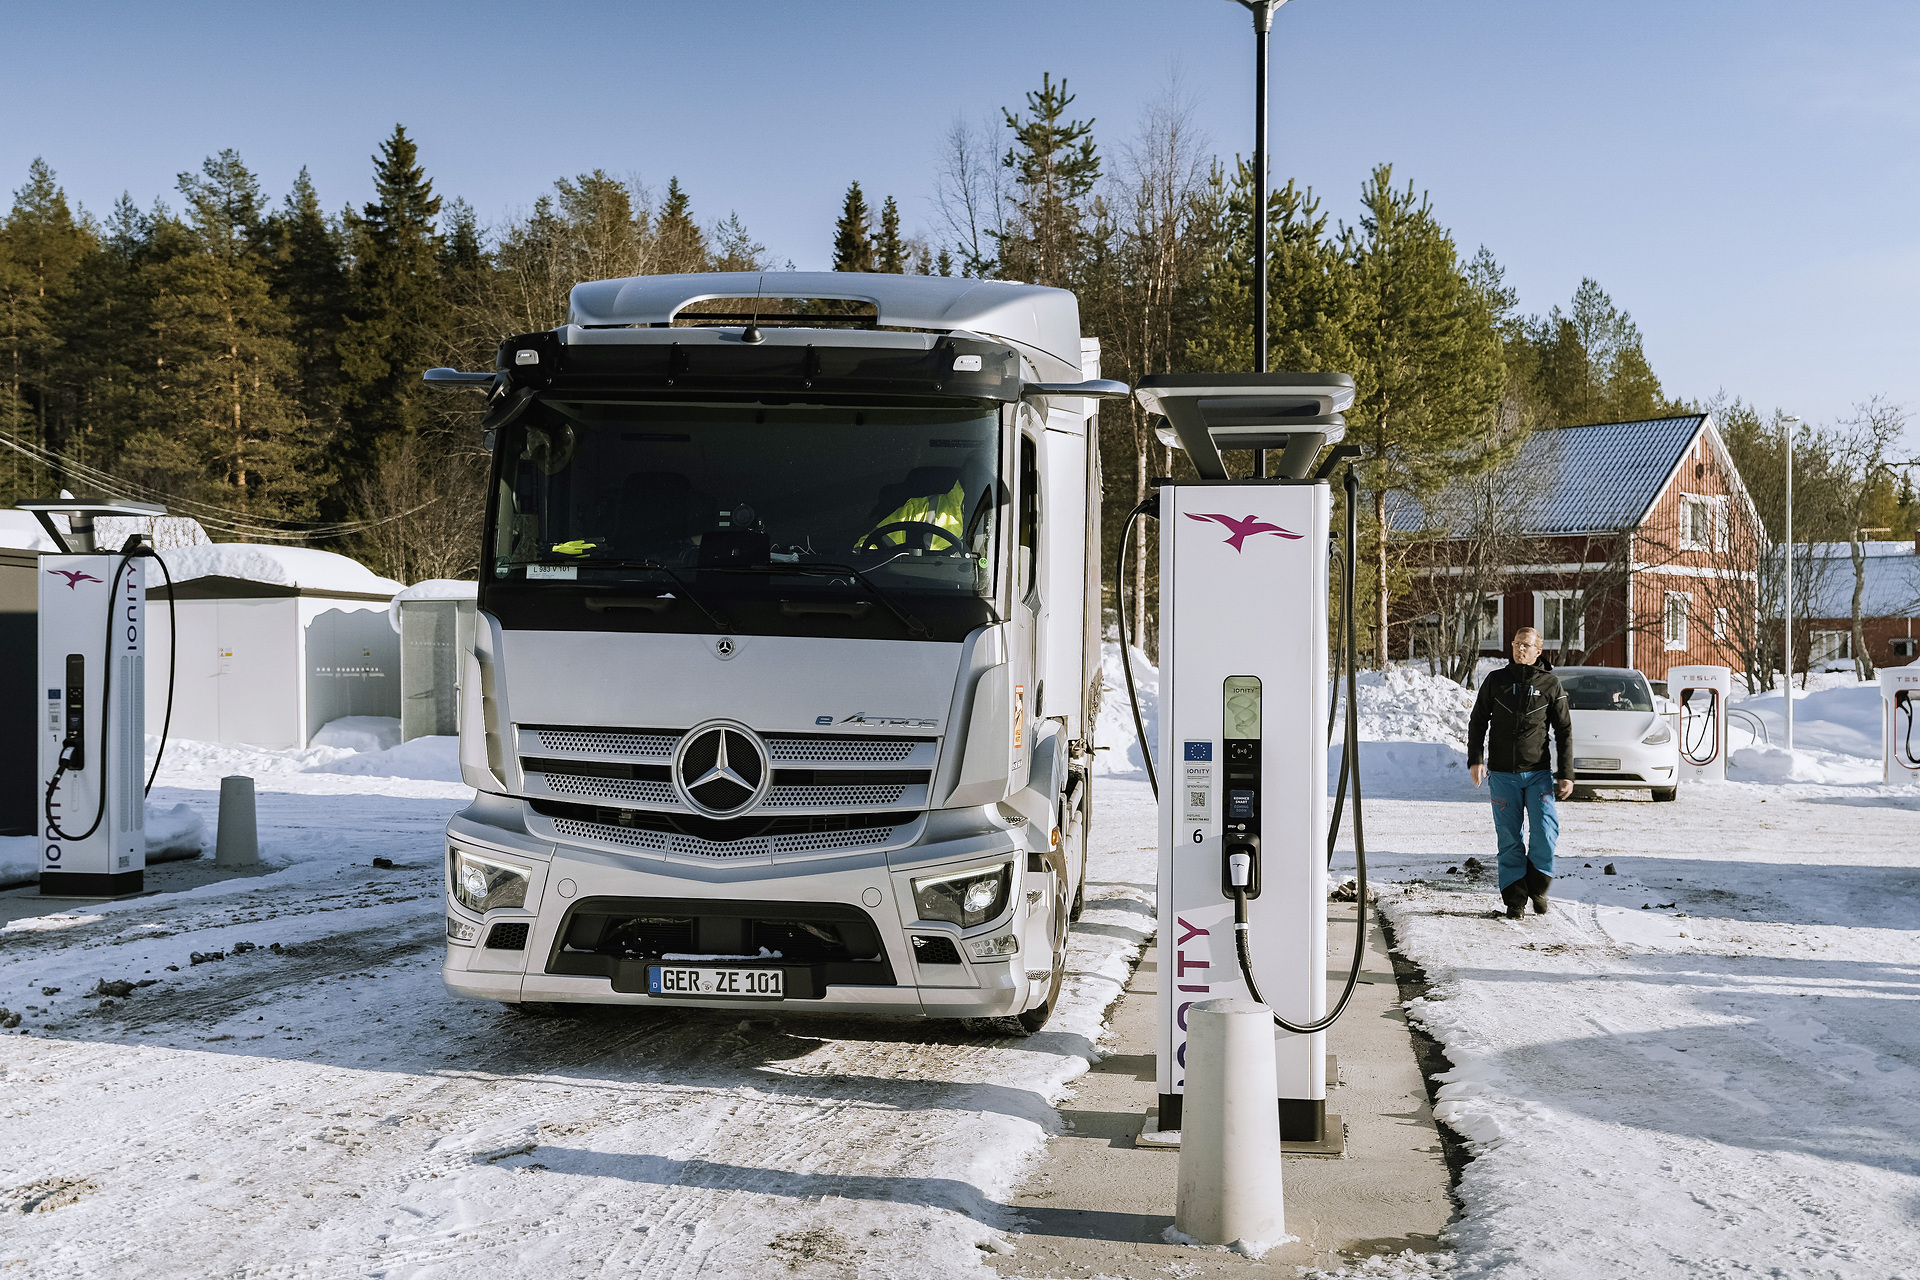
[[480, 884], [965, 898], [1661, 735]]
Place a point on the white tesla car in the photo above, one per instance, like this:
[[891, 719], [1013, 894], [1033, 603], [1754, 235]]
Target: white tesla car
[[1620, 739]]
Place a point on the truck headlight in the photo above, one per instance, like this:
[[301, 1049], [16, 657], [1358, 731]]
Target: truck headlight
[[965, 898], [480, 884], [1661, 735], [464, 932]]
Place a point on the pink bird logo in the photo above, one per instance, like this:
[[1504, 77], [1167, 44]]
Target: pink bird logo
[[1243, 529], [74, 577]]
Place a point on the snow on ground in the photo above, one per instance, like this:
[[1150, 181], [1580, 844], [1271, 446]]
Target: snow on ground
[[315, 1103]]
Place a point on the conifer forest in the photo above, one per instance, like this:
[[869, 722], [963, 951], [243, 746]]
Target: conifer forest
[[253, 359]]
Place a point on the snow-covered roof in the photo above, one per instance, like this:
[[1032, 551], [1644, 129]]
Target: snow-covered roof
[[1892, 573], [1029, 315], [432, 589], [1601, 477], [304, 568], [20, 529]]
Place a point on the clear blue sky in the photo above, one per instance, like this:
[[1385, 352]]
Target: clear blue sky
[[1741, 176]]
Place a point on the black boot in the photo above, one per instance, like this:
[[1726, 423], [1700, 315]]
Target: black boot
[[1537, 883], [1515, 896]]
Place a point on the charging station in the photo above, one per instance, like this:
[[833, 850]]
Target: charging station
[[1899, 736], [92, 676], [1244, 584], [1702, 693]]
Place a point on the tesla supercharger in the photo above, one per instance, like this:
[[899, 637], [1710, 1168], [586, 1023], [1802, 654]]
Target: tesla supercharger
[[92, 734], [1899, 735], [1243, 722], [1701, 693]]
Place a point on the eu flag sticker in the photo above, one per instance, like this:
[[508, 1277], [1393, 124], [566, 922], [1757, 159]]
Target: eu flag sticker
[[1199, 751]]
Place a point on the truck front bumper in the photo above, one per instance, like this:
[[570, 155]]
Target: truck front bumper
[[922, 967]]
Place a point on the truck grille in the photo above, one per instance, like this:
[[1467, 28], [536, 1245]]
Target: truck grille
[[812, 773]]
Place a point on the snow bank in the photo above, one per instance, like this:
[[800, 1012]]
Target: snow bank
[[1404, 769], [280, 566], [1119, 755], [1777, 764], [431, 589], [360, 733], [172, 833], [434, 759], [1406, 704]]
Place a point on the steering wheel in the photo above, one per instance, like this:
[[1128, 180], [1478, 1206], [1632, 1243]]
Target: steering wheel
[[917, 534]]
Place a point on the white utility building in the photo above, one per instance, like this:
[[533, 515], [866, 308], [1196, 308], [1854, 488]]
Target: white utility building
[[273, 643]]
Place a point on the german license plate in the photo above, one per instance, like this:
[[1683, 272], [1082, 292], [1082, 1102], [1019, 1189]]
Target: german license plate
[[1595, 762], [753, 984]]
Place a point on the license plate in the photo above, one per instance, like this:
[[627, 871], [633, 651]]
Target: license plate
[[1595, 762], [752, 984]]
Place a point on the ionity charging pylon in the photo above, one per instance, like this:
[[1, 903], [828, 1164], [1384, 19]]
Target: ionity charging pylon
[[1701, 693], [1899, 735], [92, 673], [1242, 785]]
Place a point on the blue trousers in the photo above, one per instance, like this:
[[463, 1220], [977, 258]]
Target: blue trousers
[[1530, 794]]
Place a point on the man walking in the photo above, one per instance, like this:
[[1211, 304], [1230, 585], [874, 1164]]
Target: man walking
[[1519, 704]]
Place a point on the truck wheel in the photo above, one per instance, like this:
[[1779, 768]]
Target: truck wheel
[[1034, 1019], [1666, 793], [1086, 847]]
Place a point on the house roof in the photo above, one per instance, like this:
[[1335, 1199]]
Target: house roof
[[1593, 478], [1825, 580]]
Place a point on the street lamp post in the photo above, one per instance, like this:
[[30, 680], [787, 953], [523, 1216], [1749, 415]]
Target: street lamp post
[[1786, 435], [1262, 11]]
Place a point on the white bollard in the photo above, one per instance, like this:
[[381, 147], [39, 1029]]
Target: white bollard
[[1230, 1127], [237, 843]]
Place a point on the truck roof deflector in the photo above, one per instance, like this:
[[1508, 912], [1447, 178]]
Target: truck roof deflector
[[1208, 412]]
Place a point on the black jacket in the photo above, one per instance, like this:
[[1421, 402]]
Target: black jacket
[[1519, 704]]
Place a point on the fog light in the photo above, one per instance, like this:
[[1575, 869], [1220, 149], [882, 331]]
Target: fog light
[[993, 948], [460, 931]]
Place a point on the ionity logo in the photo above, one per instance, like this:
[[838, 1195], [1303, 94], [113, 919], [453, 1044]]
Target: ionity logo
[[74, 577], [1243, 529]]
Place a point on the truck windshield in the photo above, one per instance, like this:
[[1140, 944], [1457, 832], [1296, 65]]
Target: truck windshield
[[621, 492]]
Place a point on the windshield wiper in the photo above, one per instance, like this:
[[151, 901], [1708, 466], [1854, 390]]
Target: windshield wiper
[[818, 569], [646, 566]]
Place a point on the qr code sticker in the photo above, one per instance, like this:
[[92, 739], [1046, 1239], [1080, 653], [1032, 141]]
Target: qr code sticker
[[1196, 799]]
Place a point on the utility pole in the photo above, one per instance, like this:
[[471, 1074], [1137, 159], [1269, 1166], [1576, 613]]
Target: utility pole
[[1786, 434], [1262, 11]]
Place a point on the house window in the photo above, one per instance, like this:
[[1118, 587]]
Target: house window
[[1829, 647], [1427, 637], [1719, 624], [1906, 647], [1675, 616], [1696, 523], [1561, 619]]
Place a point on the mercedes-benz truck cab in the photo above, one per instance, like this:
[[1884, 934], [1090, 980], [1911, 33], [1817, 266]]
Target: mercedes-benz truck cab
[[786, 667]]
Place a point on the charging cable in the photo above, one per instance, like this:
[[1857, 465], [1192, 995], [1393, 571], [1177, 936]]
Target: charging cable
[[1710, 730], [1148, 507], [1240, 865]]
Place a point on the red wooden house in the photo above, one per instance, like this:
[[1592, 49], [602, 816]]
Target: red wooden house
[[1625, 543]]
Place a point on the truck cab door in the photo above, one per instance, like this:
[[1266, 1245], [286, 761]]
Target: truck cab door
[[1029, 604]]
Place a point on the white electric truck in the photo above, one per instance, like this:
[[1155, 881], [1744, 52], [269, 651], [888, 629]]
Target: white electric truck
[[786, 664]]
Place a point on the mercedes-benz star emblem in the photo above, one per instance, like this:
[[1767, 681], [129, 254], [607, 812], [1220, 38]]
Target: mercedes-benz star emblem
[[720, 769], [723, 647]]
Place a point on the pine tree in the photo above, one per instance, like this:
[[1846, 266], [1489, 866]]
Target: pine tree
[[1427, 369], [890, 251], [852, 238], [679, 244], [308, 274], [225, 421], [943, 265], [41, 245], [398, 310], [1055, 169]]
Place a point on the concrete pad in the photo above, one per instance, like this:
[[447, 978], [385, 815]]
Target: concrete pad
[[1100, 1202]]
